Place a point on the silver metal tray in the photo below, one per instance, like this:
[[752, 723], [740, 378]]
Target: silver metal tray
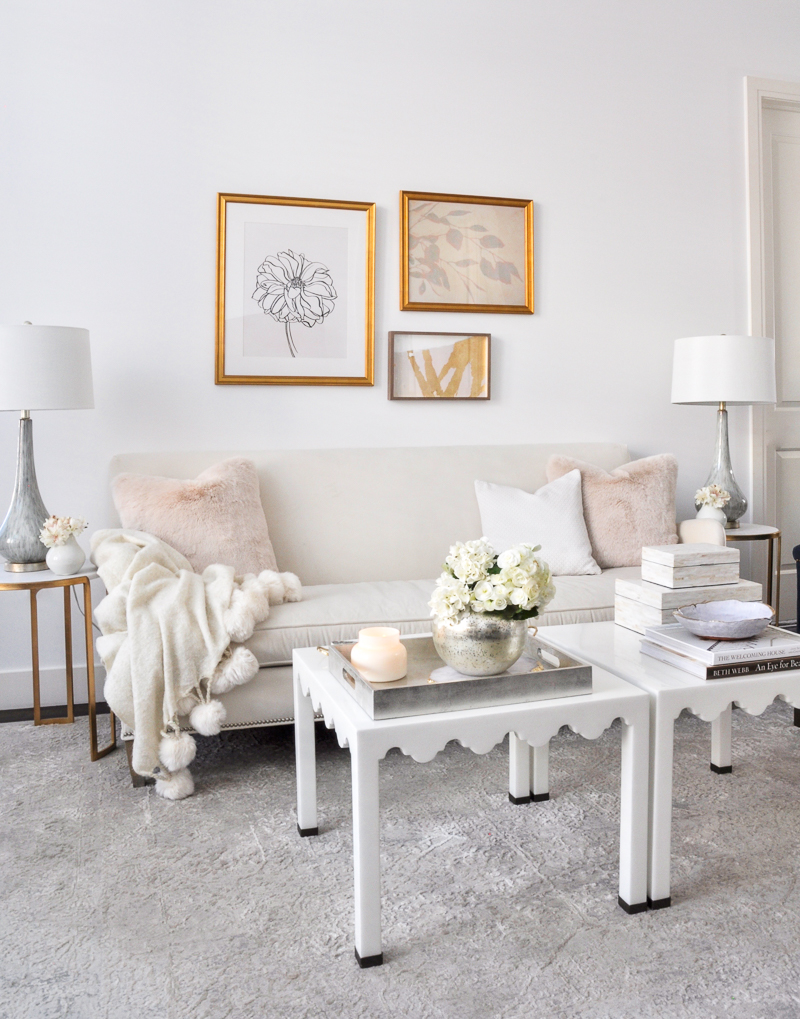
[[430, 686]]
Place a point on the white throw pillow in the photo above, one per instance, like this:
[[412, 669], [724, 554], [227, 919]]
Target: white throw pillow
[[551, 517]]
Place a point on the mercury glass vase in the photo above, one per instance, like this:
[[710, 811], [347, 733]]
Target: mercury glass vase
[[480, 644]]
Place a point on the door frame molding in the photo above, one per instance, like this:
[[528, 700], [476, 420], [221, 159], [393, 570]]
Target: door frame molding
[[759, 91]]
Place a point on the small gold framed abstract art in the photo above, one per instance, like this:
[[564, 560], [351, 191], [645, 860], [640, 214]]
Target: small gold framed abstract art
[[439, 366], [295, 291], [465, 253]]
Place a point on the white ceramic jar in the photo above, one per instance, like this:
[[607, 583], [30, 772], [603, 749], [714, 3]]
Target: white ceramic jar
[[65, 560], [712, 513], [379, 654]]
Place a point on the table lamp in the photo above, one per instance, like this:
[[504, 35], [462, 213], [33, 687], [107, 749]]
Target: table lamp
[[43, 368], [718, 370]]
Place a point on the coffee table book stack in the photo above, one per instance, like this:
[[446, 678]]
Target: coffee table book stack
[[774, 650], [677, 575]]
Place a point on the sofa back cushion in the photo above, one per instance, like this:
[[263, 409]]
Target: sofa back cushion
[[626, 508], [216, 517], [347, 515]]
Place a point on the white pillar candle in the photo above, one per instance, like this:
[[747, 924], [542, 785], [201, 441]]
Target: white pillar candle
[[379, 654]]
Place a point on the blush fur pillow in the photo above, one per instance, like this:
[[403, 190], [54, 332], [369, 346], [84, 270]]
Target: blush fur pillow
[[217, 518], [632, 506]]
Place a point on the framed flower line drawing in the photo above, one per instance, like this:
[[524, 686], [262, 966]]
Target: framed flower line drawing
[[465, 253], [439, 366], [295, 291]]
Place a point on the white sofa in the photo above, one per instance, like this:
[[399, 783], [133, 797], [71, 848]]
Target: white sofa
[[366, 531]]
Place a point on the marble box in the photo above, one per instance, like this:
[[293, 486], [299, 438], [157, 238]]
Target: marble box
[[639, 604], [699, 565]]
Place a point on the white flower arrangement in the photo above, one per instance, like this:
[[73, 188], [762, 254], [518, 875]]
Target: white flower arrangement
[[58, 530], [712, 495], [514, 585]]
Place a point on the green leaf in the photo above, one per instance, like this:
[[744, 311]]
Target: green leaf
[[465, 262], [454, 237], [459, 212], [490, 241], [478, 229]]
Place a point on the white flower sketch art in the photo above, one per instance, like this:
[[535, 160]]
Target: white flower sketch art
[[292, 289]]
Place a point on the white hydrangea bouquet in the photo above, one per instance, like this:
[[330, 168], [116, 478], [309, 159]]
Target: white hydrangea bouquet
[[513, 585], [712, 495], [58, 530]]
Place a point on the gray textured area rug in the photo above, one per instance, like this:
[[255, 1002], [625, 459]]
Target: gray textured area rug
[[117, 903]]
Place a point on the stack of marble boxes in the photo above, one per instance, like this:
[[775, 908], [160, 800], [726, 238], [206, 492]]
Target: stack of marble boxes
[[678, 575]]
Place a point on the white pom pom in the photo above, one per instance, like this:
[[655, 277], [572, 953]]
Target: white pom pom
[[208, 718], [239, 619], [177, 752], [176, 786], [238, 665], [293, 589], [185, 704]]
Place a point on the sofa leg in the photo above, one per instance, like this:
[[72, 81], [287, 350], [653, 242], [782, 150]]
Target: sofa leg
[[138, 780], [797, 717]]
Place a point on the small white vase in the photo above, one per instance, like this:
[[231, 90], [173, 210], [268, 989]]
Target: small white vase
[[711, 513], [67, 559]]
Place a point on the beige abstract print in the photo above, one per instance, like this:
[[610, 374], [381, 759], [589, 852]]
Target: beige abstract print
[[464, 253], [434, 368]]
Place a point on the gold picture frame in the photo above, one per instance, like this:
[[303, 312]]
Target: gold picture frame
[[284, 263], [477, 277], [439, 366]]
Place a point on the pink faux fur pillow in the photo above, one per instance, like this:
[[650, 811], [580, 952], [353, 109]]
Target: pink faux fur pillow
[[217, 518], [632, 506]]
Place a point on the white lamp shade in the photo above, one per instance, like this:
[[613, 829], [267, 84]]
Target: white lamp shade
[[45, 368], [729, 369]]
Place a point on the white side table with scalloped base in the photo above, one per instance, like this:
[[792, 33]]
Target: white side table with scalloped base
[[671, 690], [422, 736]]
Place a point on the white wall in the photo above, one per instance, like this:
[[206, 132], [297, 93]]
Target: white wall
[[623, 120]]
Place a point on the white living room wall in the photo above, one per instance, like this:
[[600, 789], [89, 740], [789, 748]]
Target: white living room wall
[[622, 120]]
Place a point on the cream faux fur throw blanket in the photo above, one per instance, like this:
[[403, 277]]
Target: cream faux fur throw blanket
[[171, 638]]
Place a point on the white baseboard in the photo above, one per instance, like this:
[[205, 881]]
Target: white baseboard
[[16, 686]]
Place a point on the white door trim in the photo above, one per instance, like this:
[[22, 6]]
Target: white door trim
[[759, 92]]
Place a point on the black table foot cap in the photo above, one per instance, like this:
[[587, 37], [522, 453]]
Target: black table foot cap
[[307, 831], [658, 903], [540, 797], [519, 799], [637, 907], [721, 770], [797, 717], [369, 960]]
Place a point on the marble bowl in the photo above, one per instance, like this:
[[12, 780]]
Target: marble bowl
[[725, 620]]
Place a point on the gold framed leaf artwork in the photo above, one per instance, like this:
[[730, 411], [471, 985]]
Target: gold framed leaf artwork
[[439, 366], [465, 253], [295, 291]]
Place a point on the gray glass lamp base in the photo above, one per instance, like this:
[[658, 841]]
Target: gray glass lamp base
[[722, 473], [19, 534]]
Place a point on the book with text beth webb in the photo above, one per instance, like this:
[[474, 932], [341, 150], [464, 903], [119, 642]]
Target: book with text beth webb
[[759, 667], [773, 642]]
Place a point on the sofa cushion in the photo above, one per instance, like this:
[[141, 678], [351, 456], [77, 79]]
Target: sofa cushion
[[627, 508], [215, 518], [331, 612], [551, 517]]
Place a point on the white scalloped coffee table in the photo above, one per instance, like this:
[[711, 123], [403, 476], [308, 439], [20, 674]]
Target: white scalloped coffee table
[[671, 690], [422, 736]]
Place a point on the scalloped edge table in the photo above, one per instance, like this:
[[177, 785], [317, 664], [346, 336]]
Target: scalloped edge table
[[616, 648], [421, 737]]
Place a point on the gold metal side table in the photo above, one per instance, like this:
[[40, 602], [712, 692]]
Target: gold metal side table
[[763, 532], [44, 580]]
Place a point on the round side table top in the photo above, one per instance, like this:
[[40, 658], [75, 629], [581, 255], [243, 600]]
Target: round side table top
[[41, 578], [751, 532]]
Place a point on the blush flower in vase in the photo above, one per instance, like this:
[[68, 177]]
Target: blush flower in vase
[[289, 288], [710, 502], [482, 603], [65, 556]]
